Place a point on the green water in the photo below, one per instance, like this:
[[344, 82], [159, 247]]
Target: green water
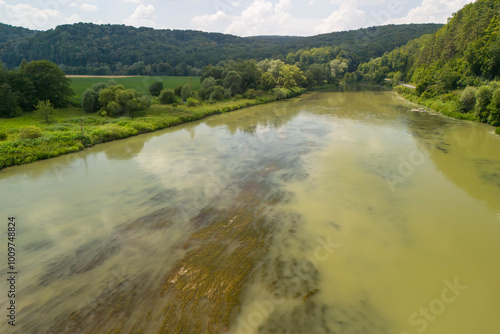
[[336, 212]]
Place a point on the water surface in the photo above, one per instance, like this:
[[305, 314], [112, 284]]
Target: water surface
[[336, 212]]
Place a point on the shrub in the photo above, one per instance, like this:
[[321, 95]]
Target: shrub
[[3, 135], [30, 132], [483, 99], [156, 88], [45, 111], [280, 93], [167, 96], [468, 99], [497, 131], [494, 117], [192, 102]]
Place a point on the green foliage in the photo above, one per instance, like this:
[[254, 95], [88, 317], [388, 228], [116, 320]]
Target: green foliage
[[279, 93], [268, 81], [49, 81], [8, 105], [45, 111], [118, 101], [30, 132], [483, 99], [497, 131], [468, 99], [217, 93], [192, 102], [86, 48], [186, 92], [167, 96], [3, 135], [156, 88], [207, 88], [233, 82], [494, 107]]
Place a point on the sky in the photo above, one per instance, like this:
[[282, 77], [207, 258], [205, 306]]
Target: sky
[[237, 17]]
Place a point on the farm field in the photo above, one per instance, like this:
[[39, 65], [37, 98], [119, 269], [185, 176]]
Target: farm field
[[140, 83]]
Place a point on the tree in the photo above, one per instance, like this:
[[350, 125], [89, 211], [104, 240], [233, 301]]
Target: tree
[[8, 105], [90, 98], [156, 88], [207, 87], [267, 81], [167, 96], [494, 118], [186, 92], [233, 82], [468, 99], [483, 99], [49, 81], [45, 111], [118, 101], [291, 76]]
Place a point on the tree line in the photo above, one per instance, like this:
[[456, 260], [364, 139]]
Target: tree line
[[86, 48], [21, 90]]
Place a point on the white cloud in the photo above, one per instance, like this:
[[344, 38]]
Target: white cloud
[[34, 18], [143, 16], [209, 20], [263, 17], [89, 8], [431, 11], [135, 1], [347, 17]]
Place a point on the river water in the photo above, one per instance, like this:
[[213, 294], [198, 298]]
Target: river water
[[335, 212]]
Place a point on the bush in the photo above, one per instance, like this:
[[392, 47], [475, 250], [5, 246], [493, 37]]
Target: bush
[[280, 93], [468, 99], [217, 93], [483, 99], [156, 88], [497, 131], [3, 135], [167, 96], [30, 132], [192, 102], [494, 107]]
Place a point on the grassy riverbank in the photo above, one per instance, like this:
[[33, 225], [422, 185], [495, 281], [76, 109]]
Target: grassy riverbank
[[447, 104], [26, 139]]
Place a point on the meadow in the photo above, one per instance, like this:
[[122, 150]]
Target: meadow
[[140, 83]]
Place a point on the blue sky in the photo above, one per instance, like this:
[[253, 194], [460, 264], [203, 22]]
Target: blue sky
[[237, 17]]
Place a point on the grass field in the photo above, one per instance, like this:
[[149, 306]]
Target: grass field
[[141, 84]]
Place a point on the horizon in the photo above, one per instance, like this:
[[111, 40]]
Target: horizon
[[242, 18], [212, 32]]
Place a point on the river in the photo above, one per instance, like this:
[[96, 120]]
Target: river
[[335, 212]]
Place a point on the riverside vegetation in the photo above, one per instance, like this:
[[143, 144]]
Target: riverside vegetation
[[110, 111]]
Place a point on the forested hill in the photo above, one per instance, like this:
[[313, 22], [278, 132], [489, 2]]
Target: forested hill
[[8, 32], [86, 48], [466, 51]]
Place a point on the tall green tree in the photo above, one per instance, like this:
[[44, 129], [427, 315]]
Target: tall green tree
[[49, 81]]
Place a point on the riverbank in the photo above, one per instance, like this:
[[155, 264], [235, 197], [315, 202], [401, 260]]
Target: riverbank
[[445, 104], [25, 139]]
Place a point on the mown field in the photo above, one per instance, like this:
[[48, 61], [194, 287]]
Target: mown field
[[139, 83]]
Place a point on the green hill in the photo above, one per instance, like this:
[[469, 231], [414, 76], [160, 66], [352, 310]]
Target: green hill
[[86, 48]]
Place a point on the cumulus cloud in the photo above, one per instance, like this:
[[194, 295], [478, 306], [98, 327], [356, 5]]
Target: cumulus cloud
[[347, 17], [143, 16], [431, 11], [263, 17], [88, 7], [30, 17]]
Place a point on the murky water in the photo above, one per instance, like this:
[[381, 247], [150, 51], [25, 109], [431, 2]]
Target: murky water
[[337, 212]]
